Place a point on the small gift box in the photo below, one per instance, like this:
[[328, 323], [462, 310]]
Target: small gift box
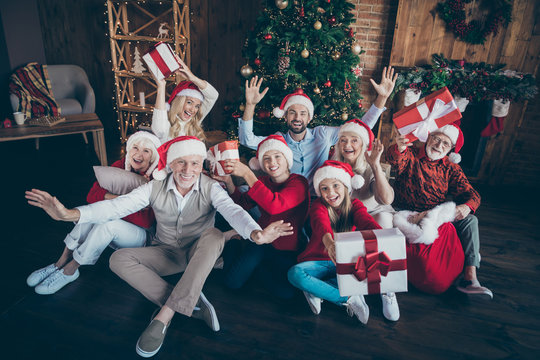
[[161, 60], [218, 154], [371, 262], [432, 112]]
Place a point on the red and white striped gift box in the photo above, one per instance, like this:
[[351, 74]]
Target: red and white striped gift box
[[218, 154], [161, 60]]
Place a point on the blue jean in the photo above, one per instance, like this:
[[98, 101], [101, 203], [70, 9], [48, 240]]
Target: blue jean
[[317, 278], [243, 258]]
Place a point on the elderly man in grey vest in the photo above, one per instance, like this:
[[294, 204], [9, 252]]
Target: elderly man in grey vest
[[184, 202]]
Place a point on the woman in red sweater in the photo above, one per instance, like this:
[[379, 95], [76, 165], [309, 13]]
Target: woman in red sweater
[[86, 242], [279, 195], [334, 211]]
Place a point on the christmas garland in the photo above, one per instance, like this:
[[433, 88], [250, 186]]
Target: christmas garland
[[473, 32]]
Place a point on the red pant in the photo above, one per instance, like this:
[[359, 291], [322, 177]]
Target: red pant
[[433, 268]]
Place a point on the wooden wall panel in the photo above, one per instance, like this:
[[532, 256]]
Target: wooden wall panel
[[419, 33]]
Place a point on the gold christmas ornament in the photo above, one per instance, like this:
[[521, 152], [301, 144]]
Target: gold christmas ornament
[[317, 25], [304, 53], [246, 71], [317, 90], [344, 116], [336, 55], [356, 48], [242, 107], [282, 4]]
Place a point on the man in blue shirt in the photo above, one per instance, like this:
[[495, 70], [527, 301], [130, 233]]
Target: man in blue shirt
[[310, 147]]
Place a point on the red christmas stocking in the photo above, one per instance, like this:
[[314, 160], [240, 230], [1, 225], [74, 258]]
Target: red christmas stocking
[[495, 126]]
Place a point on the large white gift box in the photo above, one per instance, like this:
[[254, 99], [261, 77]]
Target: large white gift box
[[161, 60], [371, 262]]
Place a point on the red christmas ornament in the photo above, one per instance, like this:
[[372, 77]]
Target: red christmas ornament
[[236, 115], [328, 1], [263, 114], [332, 20], [267, 36], [299, 90], [302, 14], [351, 32], [7, 123], [360, 103], [347, 86], [257, 62], [328, 83], [461, 63]]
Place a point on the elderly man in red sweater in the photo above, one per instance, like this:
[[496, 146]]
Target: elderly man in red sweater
[[427, 177]]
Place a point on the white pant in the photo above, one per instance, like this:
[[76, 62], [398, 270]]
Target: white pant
[[88, 241]]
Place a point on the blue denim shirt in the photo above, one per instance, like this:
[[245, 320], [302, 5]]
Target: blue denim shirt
[[310, 152]]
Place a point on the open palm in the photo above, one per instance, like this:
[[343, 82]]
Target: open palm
[[388, 81]]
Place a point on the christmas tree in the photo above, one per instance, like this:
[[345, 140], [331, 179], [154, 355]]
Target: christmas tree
[[303, 44], [137, 64]]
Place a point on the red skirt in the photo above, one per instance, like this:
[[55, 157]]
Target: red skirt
[[433, 268]]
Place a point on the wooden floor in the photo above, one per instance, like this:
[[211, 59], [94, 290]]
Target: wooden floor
[[100, 317]]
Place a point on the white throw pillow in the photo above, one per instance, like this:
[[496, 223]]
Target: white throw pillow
[[118, 181]]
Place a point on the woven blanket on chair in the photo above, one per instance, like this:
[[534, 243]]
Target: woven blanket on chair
[[32, 86]]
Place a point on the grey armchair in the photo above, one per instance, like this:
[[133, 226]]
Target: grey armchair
[[71, 90]]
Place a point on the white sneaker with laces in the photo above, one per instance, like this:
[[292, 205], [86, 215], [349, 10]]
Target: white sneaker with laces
[[40, 274], [356, 305], [390, 306], [313, 302], [55, 282]]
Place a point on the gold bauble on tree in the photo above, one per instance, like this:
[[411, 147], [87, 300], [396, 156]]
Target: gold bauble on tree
[[356, 48], [242, 107], [282, 4], [344, 116], [317, 25], [305, 53], [336, 55], [246, 71], [317, 90]]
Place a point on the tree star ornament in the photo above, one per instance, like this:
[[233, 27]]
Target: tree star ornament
[[357, 71]]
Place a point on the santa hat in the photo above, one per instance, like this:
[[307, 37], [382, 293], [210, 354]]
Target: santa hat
[[175, 148], [185, 88], [360, 129], [456, 137], [332, 169], [272, 142], [135, 139], [297, 97]]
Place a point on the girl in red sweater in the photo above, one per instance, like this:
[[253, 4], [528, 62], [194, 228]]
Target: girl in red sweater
[[279, 195], [334, 211], [86, 242]]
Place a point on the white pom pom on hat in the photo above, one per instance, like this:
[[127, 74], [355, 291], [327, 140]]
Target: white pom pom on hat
[[175, 148], [332, 169], [272, 142], [298, 97]]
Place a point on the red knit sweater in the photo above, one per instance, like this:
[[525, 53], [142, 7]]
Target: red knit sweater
[[288, 201], [421, 184], [320, 225], [143, 218]]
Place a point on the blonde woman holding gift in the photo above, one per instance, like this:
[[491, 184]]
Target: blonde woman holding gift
[[184, 112], [334, 212], [357, 147]]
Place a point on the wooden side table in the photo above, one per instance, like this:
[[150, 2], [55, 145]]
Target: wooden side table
[[74, 124]]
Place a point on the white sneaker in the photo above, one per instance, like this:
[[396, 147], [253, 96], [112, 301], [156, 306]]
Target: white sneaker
[[55, 282], [390, 306], [41, 274], [206, 312], [356, 305], [313, 302]]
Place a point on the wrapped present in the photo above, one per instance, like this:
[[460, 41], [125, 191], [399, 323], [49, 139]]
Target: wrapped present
[[371, 262], [432, 112], [161, 60], [218, 154]]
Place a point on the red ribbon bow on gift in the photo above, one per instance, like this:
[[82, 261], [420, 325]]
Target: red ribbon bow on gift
[[372, 265]]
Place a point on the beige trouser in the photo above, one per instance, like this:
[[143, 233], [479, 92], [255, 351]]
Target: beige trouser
[[143, 268]]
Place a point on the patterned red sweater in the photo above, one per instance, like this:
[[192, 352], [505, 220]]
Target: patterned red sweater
[[320, 225], [143, 218], [421, 184], [288, 201]]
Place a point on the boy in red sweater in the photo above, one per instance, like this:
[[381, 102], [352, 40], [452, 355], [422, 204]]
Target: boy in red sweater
[[279, 195]]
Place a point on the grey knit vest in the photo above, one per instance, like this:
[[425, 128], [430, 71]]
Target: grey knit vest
[[173, 228]]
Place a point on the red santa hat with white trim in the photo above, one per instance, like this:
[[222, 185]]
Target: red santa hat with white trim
[[455, 134], [360, 129], [272, 142], [175, 148], [185, 88], [332, 169], [137, 138], [298, 97]]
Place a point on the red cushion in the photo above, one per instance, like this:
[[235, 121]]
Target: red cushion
[[433, 268]]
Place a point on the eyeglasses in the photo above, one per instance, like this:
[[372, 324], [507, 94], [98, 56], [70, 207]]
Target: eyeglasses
[[438, 140]]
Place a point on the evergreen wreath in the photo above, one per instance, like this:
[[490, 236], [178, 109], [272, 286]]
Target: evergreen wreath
[[474, 32]]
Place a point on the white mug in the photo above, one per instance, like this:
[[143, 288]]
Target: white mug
[[19, 117]]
